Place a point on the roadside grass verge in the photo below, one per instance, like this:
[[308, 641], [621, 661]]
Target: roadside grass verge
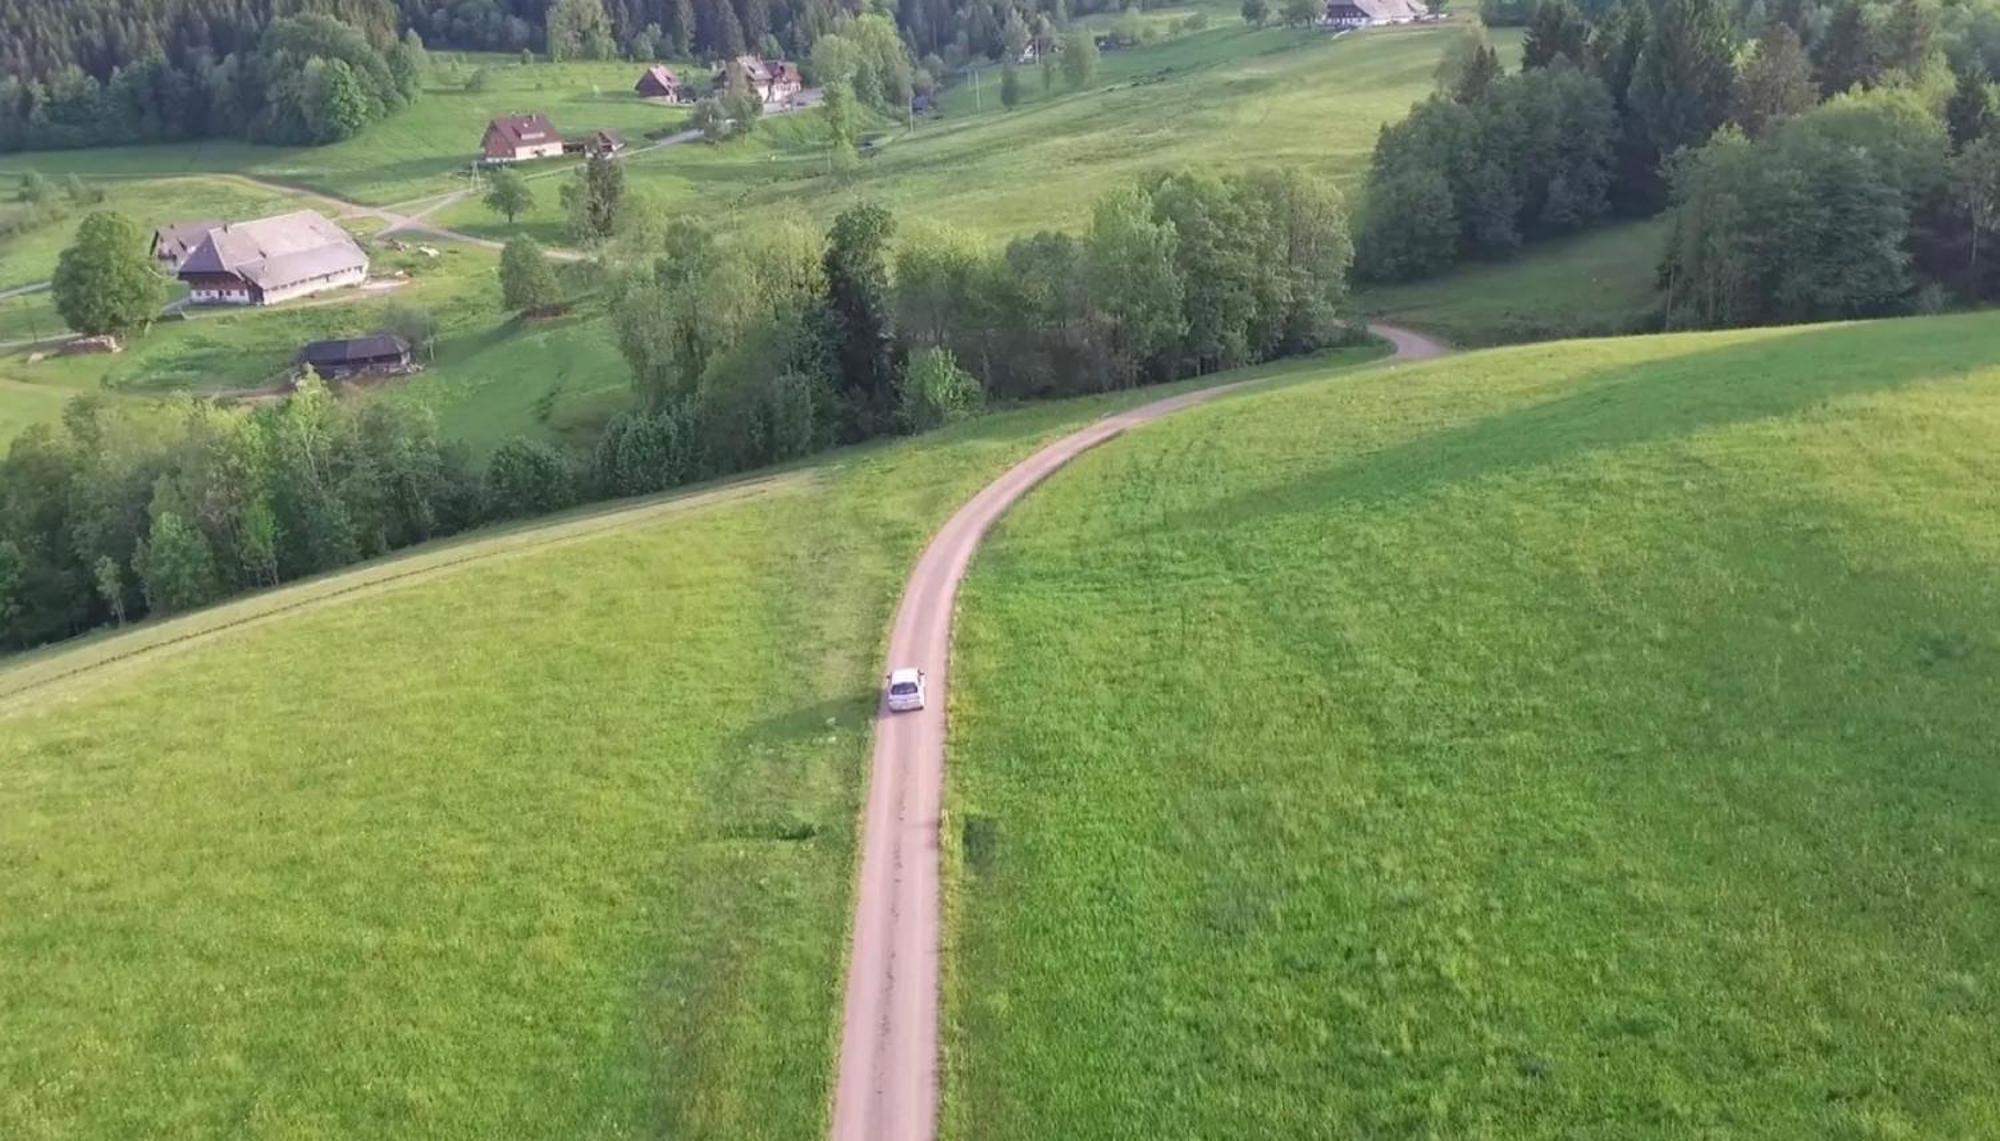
[[544, 832], [1592, 740]]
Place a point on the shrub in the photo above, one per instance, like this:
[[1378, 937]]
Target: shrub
[[527, 477], [934, 391]]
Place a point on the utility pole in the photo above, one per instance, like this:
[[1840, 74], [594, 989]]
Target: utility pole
[[975, 89]]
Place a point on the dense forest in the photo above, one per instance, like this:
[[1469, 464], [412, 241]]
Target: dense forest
[[94, 74], [99, 72], [1842, 162]]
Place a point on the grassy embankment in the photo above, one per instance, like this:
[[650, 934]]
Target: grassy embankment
[[1588, 740], [539, 833]]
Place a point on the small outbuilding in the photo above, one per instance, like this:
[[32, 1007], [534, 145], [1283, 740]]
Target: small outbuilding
[[383, 354], [596, 144]]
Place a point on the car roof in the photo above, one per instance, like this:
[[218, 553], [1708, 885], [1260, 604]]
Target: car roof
[[908, 673]]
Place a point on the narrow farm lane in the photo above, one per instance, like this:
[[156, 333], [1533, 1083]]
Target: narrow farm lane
[[887, 1086]]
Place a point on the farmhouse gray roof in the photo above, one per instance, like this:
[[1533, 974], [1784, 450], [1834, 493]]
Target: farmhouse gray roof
[[272, 253], [178, 238]]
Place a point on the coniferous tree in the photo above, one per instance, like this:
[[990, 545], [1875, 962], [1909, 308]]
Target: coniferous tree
[[1777, 84], [1556, 31], [1684, 80], [1970, 113], [1844, 56]]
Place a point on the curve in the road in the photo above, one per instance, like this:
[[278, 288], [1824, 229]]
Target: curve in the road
[[887, 1086]]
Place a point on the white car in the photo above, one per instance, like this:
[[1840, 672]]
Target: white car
[[906, 690]]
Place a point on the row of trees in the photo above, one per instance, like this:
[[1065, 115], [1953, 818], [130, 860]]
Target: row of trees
[[778, 341], [308, 78], [954, 31], [123, 510]]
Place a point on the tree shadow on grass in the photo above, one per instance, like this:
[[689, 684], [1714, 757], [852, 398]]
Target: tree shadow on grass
[[1640, 403]]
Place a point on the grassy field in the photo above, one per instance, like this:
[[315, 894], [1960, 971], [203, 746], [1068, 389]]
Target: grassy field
[[392, 854], [31, 256], [415, 153], [1598, 284], [1590, 741]]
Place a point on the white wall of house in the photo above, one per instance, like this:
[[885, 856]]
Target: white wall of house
[[231, 295], [551, 149], [354, 276]]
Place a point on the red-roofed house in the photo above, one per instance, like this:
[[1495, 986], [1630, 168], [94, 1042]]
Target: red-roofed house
[[516, 138]]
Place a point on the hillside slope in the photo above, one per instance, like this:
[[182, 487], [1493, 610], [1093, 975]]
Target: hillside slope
[[540, 833], [1592, 740]]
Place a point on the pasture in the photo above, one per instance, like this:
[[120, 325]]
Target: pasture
[[1589, 740], [392, 853]]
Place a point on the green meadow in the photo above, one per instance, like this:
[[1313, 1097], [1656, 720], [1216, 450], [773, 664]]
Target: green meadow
[[392, 853], [1589, 740], [1604, 283]]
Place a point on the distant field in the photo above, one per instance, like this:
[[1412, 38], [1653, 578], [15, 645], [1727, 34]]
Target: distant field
[[413, 154], [1588, 741], [1218, 99], [539, 833], [1602, 283]]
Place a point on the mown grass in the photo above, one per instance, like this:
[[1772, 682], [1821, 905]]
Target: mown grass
[[1592, 740], [547, 833], [1602, 283]]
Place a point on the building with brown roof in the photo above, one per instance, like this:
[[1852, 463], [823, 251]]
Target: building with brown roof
[[517, 138], [660, 82]]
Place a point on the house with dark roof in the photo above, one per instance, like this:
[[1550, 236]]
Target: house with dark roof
[[379, 354], [173, 242], [271, 260], [660, 82], [517, 138]]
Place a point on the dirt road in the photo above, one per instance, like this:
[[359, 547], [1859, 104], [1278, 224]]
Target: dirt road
[[887, 1088]]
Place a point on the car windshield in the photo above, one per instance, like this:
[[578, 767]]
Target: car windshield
[[903, 687]]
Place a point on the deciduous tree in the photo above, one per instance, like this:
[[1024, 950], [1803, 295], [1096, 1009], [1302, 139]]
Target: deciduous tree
[[507, 193], [105, 281], [527, 282]]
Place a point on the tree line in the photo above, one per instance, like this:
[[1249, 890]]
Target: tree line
[[1832, 166], [746, 348], [314, 77], [767, 344]]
